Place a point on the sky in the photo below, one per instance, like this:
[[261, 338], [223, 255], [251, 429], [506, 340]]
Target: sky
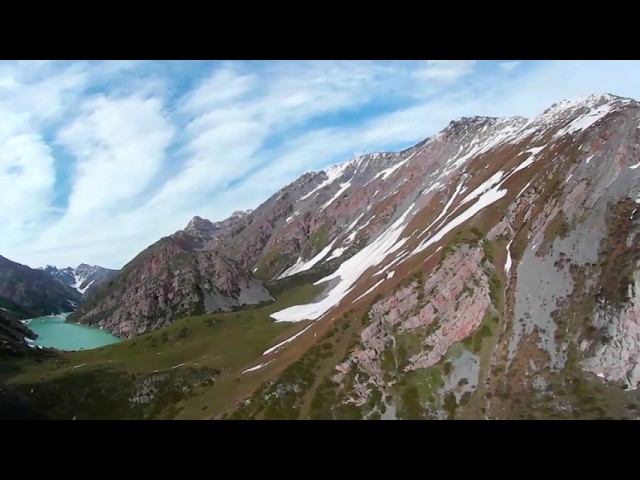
[[100, 159]]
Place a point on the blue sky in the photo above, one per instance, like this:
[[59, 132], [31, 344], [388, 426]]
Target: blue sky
[[100, 159]]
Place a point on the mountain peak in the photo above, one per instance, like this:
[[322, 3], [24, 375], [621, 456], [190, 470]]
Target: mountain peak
[[198, 223], [478, 122], [594, 100], [242, 213]]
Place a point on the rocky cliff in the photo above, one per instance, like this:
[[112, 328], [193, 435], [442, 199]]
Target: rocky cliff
[[15, 338], [171, 279]]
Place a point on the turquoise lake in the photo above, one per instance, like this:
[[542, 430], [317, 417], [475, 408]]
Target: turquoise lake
[[53, 332]]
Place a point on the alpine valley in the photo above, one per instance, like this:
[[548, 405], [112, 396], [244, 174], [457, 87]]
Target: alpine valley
[[488, 272]]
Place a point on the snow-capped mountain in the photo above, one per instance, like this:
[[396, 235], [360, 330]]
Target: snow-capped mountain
[[84, 278]]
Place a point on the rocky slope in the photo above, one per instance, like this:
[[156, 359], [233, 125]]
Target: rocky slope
[[171, 279], [503, 284], [86, 279], [16, 344], [26, 292], [15, 338]]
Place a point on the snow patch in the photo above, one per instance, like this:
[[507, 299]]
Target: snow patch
[[332, 174], [445, 209], [290, 339], [257, 367], [289, 219], [507, 263], [349, 273], [534, 150], [525, 187], [369, 290], [505, 131], [391, 274], [397, 260], [387, 172], [485, 186], [486, 199], [352, 235], [488, 191], [355, 222], [584, 121], [336, 253], [302, 266], [343, 187], [435, 186], [524, 164]]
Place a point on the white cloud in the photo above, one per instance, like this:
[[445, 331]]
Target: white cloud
[[446, 70], [120, 146], [145, 156], [509, 66], [40, 90], [27, 177], [224, 86], [234, 113]]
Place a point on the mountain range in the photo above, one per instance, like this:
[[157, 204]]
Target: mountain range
[[489, 271]]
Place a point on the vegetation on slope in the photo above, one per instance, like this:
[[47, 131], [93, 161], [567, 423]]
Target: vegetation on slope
[[190, 369]]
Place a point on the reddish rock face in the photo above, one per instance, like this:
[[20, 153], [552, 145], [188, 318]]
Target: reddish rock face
[[441, 310], [167, 283]]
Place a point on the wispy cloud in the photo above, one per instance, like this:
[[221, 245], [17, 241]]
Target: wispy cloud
[[100, 159], [508, 66], [118, 139], [446, 70]]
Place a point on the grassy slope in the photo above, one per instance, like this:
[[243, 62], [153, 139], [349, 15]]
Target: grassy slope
[[225, 344]]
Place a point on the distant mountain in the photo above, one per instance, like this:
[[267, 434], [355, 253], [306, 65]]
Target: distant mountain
[[86, 279], [27, 292]]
